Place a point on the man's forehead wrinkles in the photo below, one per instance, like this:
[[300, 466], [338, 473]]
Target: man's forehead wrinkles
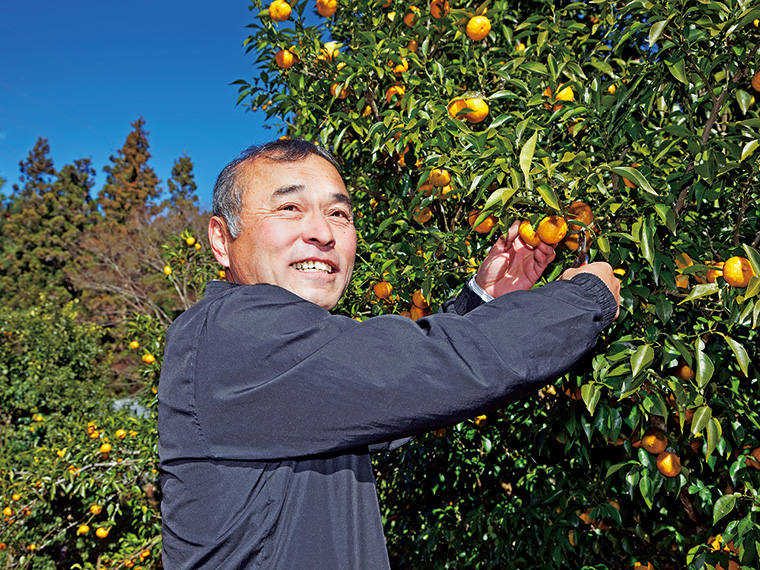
[[299, 188]]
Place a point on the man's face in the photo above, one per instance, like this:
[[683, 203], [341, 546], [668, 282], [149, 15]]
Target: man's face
[[297, 230]]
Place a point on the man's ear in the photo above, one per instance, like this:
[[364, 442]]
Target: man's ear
[[219, 238]]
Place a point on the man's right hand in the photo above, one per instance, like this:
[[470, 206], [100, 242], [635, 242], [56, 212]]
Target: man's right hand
[[604, 272]]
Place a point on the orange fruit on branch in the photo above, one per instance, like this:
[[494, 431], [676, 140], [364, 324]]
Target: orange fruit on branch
[[483, 227], [327, 8], [338, 92], [412, 16], [456, 106], [439, 177], [669, 464], [478, 27], [654, 441], [756, 81], [279, 10], [552, 229], [397, 91], [101, 532], [479, 110], [581, 212], [419, 300], [382, 290], [439, 8], [285, 59], [528, 234], [422, 215], [737, 271]]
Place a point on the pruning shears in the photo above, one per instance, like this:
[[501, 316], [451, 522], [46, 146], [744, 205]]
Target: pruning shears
[[581, 256]]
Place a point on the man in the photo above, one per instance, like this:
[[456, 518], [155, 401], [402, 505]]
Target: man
[[269, 405]]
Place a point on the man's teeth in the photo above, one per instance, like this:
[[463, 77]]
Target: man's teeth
[[312, 266]]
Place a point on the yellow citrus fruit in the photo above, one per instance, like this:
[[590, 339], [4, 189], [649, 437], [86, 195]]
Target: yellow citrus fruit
[[411, 18], [222, 274], [401, 67], [167, 270], [479, 110], [654, 441], [581, 212], [483, 227], [552, 229], [481, 420], [121, 433], [105, 448], [422, 215], [285, 59], [397, 91], [83, 529], [279, 10], [439, 177], [439, 8], [737, 271], [713, 274], [190, 240], [329, 52], [478, 28], [327, 8], [647, 566], [427, 189], [134, 345], [528, 234], [446, 192], [456, 106], [417, 313], [101, 532], [8, 512], [419, 300], [520, 47], [382, 290], [756, 81], [669, 464], [15, 497], [412, 46], [684, 372], [338, 92], [148, 358], [95, 509], [611, 89]]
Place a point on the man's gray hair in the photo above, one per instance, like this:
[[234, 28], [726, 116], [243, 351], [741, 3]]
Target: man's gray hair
[[229, 188]]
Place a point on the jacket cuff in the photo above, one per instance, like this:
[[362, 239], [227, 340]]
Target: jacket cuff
[[601, 293], [465, 302]]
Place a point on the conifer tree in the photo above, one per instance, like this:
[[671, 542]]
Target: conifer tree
[[43, 221], [131, 185]]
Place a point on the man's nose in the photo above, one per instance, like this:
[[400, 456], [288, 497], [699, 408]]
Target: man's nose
[[318, 230]]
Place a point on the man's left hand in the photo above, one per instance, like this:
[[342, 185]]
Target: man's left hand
[[512, 265]]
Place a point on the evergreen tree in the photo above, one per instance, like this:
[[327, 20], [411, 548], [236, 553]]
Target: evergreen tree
[[182, 198], [131, 185], [43, 221]]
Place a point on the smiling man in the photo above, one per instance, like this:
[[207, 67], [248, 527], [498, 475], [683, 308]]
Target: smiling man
[[269, 405]]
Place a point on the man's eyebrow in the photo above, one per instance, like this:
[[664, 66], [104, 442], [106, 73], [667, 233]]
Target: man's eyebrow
[[295, 188]]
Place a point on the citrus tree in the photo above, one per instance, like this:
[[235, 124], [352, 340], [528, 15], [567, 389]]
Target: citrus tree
[[632, 128], [79, 484]]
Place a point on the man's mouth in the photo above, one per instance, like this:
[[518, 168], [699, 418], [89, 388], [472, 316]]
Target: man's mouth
[[312, 265]]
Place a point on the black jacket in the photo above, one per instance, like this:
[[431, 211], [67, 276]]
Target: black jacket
[[268, 405]]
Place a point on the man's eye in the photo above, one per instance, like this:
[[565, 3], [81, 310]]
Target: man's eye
[[342, 214]]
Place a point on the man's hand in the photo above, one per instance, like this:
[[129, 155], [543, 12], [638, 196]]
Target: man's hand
[[511, 265], [604, 272]]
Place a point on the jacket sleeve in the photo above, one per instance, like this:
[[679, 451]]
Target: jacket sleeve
[[276, 377]]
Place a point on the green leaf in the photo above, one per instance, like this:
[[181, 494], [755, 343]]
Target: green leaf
[[590, 394], [647, 241], [636, 177], [647, 489], [714, 435], [723, 506], [749, 149], [526, 155], [549, 196], [701, 290], [705, 367], [640, 359], [678, 70], [702, 416], [667, 216], [656, 30], [754, 258], [739, 352]]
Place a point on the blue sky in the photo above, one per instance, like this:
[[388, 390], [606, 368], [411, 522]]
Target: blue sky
[[78, 72]]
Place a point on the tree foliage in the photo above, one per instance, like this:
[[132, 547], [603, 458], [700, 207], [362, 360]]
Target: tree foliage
[[657, 133]]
